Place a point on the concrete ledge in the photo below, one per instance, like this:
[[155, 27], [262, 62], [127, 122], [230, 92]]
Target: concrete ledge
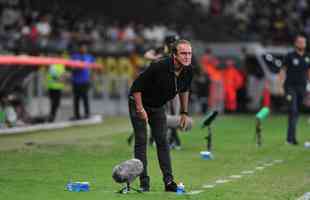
[[96, 119]]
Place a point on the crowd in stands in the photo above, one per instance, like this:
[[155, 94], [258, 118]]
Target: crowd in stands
[[60, 29], [59, 26], [268, 21]]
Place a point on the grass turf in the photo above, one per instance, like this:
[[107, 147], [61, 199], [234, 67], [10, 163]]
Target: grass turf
[[41, 169]]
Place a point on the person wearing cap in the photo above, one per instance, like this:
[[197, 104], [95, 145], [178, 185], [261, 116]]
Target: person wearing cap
[[296, 72], [149, 93]]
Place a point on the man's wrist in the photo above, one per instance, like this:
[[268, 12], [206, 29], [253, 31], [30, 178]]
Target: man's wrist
[[184, 113], [139, 109]]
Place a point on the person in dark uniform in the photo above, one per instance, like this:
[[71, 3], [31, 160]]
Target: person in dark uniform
[[158, 84], [296, 72]]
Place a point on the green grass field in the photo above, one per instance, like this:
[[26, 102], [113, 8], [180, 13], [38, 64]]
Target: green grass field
[[40, 171]]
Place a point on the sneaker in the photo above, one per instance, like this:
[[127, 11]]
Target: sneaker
[[295, 142], [178, 147], [144, 189], [292, 143], [145, 184], [74, 118], [171, 187]]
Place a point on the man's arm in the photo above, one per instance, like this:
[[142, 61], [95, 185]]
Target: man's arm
[[145, 79], [141, 84], [139, 106], [184, 109], [282, 74], [184, 101]]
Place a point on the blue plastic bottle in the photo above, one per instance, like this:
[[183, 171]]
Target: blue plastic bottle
[[180, 188], [77, 186]]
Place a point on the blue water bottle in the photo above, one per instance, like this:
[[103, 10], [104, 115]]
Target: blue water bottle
[[69, 186], [77, 186], [180, 188]]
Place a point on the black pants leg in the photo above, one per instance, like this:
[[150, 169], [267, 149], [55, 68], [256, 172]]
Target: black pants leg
[[84, 95], [174, 138], [76, 101], [140, 134], [54, 96], [158, 124], [295, 99], [80, 91]]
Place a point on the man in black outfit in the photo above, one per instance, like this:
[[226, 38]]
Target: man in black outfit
[[296, 66], [158, 84]]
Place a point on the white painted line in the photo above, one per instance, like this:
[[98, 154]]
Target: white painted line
[[268, 164], [208, 186], [306, 196], [247, 172], [193, 192], [51, 126], [220, 181], [278, 161], [260, 168], [235, 176]]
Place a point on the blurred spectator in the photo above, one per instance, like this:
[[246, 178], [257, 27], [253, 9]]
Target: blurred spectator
[[216, 90], [233, 81], [81, 82], [55, 85]]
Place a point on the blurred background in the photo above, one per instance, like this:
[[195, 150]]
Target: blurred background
[[238, 49]]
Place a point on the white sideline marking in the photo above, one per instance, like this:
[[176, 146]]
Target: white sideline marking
[[193, 192], [220, 181], [268, 164], [236, 176], [306, 196], [247, 172], [51, 126], [208, 186]]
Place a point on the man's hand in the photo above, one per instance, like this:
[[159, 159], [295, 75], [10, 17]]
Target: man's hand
[[142, 114], [184, 120]]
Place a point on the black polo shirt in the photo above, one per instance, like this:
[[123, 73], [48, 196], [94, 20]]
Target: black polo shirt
[[159, 84], [296, 69]]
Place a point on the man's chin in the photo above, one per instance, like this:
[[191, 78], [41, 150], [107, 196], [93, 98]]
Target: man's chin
[[186, 64]]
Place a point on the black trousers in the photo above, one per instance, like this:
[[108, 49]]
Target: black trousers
[[174, 137], [294, 96], [158, 125], [80, 92], [54, 98]]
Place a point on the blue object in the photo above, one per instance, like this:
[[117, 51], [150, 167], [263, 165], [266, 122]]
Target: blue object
[[206, 155], [180, 189], [78, 186], [82, 75]]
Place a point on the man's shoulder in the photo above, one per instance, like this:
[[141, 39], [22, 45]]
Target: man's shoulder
[[161, 62], [290, 53]]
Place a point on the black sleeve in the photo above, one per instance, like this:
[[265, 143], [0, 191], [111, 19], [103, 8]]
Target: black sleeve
[[145, 79], [286, 61], [188, 81], [307, 57]]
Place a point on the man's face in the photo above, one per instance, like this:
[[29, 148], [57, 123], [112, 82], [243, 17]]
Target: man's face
[[184, 54], [300, 43]]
